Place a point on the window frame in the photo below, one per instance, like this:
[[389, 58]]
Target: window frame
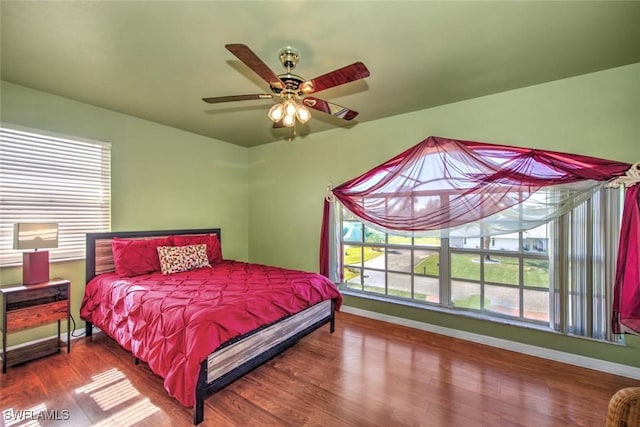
[[444, 276]]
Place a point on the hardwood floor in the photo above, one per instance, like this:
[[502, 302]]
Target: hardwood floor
[[368, 373]]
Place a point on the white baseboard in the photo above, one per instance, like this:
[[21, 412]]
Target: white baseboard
[[545, 353]]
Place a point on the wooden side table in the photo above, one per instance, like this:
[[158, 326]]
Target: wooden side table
[[25, 307]]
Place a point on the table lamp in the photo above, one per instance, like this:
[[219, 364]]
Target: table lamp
[[35, 265]]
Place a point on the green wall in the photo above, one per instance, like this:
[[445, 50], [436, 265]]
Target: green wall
[[595, 114], [161, 177], [268, 199]]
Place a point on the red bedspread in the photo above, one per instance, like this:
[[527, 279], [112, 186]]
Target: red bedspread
[[174, 321]]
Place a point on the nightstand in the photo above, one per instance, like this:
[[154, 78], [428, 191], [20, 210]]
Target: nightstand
[[25, 307]]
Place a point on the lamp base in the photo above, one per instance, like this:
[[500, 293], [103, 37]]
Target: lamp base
[[35, 267]]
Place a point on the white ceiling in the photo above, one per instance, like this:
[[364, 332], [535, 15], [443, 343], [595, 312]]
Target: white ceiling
[[156, 60]]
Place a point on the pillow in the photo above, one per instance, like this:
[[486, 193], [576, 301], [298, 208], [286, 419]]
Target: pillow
[[214, 252], [133, 257], [182, 258]]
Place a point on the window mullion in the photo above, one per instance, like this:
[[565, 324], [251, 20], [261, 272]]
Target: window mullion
[[445, 272], [521, 274]]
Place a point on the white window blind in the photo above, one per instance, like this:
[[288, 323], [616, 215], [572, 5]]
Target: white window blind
[[52, 178]]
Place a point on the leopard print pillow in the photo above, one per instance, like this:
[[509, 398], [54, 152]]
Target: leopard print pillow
[[174, 259]]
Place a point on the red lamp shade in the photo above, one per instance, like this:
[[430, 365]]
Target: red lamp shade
[[35, 265]]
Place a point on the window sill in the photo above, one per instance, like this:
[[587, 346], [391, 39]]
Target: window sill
[[471, 315]]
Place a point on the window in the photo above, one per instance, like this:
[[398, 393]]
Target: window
[[502, 275], [51, 178], [507, 276]]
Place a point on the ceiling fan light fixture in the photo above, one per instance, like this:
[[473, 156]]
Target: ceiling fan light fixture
[[276, 113], [289, 121], [290, 107], [303, 114]]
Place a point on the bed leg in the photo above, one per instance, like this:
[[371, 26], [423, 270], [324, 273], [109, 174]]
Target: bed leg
[[332, 324], [88, 329], [198, 411]]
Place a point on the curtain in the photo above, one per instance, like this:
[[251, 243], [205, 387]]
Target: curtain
[[329, 238], [626, 302], [448, 184], [325, 240]]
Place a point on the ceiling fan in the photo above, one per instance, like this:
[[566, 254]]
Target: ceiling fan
[[294, 90]]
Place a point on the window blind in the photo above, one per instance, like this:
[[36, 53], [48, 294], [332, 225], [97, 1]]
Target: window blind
[[584, 266], [46, 177]]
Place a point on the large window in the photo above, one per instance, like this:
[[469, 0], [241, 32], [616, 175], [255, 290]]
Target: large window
[[51, 178], [509, 276]]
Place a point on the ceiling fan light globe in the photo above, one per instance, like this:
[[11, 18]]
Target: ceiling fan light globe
[[290, 107], [303, 114], [276, 113], [288, 120]]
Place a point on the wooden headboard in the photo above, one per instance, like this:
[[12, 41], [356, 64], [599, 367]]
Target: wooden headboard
[[98, 250]]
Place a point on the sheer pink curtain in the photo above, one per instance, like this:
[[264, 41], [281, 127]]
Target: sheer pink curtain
[[444, 183], [447, 184]]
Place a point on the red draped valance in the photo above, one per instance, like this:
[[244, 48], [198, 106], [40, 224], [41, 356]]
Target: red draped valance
[[443, 183]]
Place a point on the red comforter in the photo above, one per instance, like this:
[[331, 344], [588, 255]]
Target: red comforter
[[174, 321]]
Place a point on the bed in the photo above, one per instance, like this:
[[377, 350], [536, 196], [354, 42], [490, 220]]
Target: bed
[[198, 328]]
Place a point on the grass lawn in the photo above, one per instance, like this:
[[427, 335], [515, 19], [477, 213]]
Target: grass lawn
[[353, 256], [506, 270]]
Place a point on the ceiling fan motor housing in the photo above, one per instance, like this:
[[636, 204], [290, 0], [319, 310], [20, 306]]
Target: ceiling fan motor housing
[[292, 84], [289, 57]]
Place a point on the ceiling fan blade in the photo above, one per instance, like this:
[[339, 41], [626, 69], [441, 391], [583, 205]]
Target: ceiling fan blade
[[251, 60], [355, 71], [329, 108], [218, 99]]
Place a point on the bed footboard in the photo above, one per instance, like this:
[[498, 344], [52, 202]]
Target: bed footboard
[[231, 362]]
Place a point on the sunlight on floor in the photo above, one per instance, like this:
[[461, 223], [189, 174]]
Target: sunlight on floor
[[112, 396], [111, 389], [101, 380], [129, 416]]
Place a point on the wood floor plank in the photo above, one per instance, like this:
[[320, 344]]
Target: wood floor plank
[[368, 373]]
